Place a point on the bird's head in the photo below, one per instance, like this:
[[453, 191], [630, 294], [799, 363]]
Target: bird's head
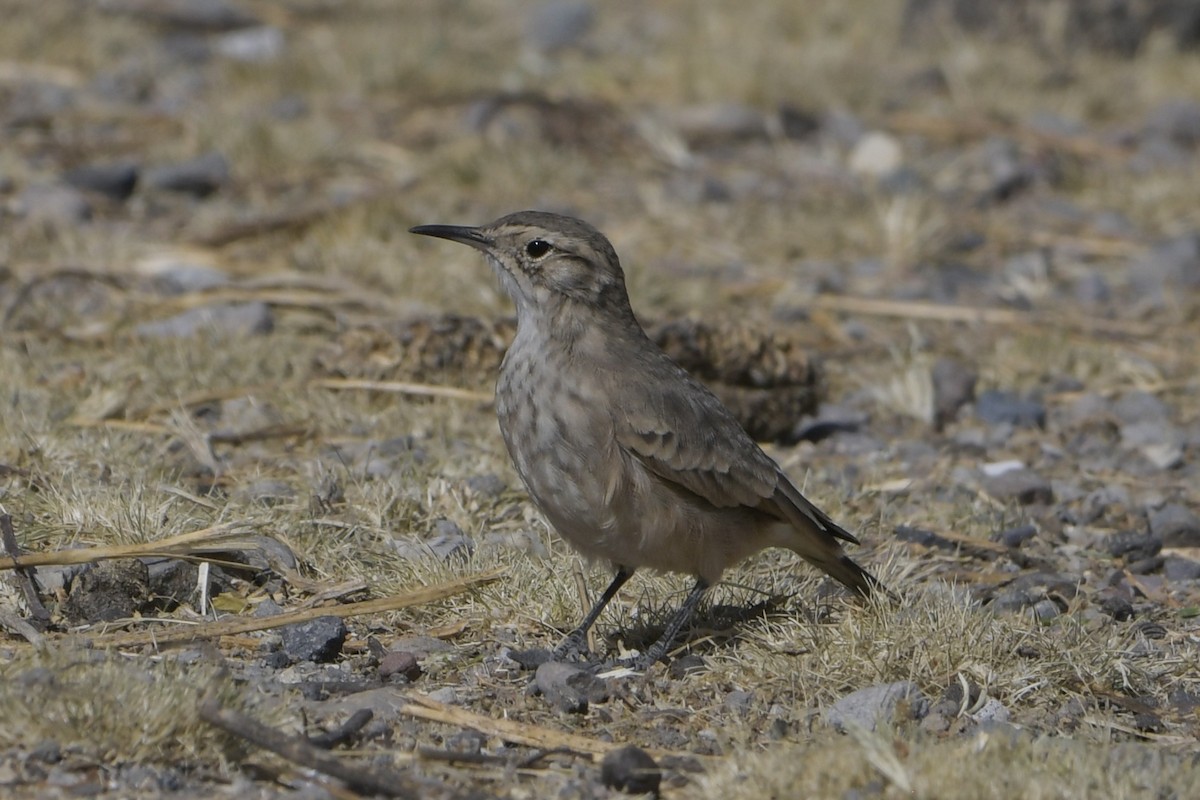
[[547, 261]]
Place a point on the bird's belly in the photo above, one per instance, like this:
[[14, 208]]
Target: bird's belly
[[602, 501]]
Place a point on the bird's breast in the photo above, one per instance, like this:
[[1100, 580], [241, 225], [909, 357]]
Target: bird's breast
[[559, 431]]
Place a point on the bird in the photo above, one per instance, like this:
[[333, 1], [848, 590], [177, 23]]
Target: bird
[[630, 459]]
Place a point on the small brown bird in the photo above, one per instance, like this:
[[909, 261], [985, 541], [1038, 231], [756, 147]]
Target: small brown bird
[[629, 458]]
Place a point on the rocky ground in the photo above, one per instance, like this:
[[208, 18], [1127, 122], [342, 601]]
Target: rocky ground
[[260, 535]]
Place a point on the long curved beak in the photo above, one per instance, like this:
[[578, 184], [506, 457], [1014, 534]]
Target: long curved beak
[[457, 233]]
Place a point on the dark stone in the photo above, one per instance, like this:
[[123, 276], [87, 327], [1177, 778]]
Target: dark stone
[[1015, 537], [1176, 526], [199, 176], [997, 407], [1117, 606], [953, 387], [798, 123], [1133, 545], [172, 582], [924, 537], [108, 591], [116, 180], [319, 639], [631, 770]]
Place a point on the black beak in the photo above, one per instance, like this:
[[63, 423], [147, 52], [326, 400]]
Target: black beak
[[457, 233]]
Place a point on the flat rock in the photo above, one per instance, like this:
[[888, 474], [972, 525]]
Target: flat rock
[[867, 707], [1021, 485], [116, 179], [200, 176], [997, 407], [559, 24], [223, 319], [570, 687], [1176, 526], [52, 203]]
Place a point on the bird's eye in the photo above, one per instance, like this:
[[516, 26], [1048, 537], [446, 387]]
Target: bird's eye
[[537, 248]]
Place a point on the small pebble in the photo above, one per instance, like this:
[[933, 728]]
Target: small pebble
[[400, 663]]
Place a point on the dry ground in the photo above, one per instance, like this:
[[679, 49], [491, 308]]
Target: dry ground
[[422, 112]]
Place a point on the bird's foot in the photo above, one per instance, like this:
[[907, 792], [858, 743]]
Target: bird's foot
[[572, 649]]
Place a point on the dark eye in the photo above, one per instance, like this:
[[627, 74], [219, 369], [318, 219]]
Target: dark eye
[[537, 248]]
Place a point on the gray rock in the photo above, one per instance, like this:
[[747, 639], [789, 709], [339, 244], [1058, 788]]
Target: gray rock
[[843, 126], [993, 711], [225, 320], [319, 639], [739, 701], [867, 707], [569, 687], [1046, 609], [448, 541], [181, 277], [953, 387], [446, 695], [1133, 545], [267, 608], [116, 180], [1090, 289], [1178, 120], [559, 24], [1022, 485], [1180, 569], [199, 176], [489, 484], [630, 769], [997, 407], [1015, 537], [1176, 526], [54, 204], [1138, 406], [259, 45], [1173, 263], [1008, 173]]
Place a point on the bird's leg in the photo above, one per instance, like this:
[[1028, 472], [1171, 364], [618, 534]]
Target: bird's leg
[[576, 641], [659, 649]]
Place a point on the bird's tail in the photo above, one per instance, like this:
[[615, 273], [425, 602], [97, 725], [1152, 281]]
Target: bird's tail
[[825, 553]]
